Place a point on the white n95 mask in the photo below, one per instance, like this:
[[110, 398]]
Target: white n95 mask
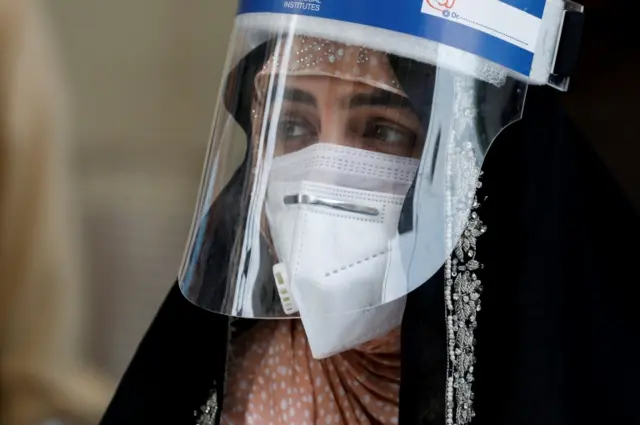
[[333, 212]]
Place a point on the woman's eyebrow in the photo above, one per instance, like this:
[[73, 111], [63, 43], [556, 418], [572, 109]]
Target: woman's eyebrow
[[298, 96], [379, 98]]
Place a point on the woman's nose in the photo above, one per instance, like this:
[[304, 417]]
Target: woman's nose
[[334, 128]]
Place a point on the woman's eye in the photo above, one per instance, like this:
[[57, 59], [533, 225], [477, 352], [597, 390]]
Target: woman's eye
[[295, 133], [293, 129], [389, 133]]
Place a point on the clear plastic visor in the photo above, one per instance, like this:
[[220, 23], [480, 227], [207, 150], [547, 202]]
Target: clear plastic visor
[[339, 177]]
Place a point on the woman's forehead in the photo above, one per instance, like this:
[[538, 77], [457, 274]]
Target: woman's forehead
[[327, 87]]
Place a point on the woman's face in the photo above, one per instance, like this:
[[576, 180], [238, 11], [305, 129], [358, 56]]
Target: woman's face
[[321, 109]]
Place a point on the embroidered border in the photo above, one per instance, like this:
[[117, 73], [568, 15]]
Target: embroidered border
[[462, 297], [209, 412], [463, 227]]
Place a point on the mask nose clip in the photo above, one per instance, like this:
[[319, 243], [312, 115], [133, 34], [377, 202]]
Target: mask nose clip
[[304, 199], [284, 289]]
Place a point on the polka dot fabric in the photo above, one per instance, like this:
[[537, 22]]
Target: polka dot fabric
[[274, 380]]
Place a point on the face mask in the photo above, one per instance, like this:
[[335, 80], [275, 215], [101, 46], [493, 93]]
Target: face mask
[[332, 212]]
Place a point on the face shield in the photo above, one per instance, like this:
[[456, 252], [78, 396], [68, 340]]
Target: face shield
[[346, 153]]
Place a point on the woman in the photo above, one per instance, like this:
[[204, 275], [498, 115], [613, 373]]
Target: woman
[[354, 207]]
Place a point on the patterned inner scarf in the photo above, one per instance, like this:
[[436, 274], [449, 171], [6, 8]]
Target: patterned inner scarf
[[274, 380]]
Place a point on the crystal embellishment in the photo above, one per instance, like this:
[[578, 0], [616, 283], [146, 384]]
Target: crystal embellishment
[[318, 56], [209, 412], [462, 297], [462, 285]]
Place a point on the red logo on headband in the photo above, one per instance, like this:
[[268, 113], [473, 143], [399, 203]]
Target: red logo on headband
[[441, 5]]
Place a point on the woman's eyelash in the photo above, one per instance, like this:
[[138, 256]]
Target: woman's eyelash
[[383, 125]]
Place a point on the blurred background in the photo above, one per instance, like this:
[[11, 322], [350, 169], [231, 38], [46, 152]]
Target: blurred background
[[135, 83], [105, 114], [143, 78]]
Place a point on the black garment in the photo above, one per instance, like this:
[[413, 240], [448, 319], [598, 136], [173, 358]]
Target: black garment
[[557, 331]]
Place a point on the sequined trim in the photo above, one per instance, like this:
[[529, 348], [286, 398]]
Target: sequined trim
[[304, 55], [209, 412], [462, 294], [462, 286]]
